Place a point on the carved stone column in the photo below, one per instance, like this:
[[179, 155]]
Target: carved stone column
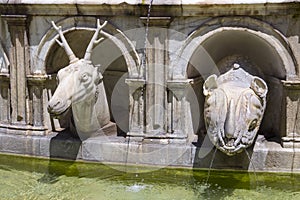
[[4, 98], [19, 64], [136, 107], [36, 84], [292, 118], [157, 62], [178, 119]]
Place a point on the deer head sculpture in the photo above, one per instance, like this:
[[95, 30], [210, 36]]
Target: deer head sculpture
[[80, 87]]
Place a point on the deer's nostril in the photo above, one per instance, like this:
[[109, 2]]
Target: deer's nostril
[[57, 103], [54, 104]]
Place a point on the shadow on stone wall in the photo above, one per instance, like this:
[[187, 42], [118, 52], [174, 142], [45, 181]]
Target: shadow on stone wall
[[62, 146], [205, 152]]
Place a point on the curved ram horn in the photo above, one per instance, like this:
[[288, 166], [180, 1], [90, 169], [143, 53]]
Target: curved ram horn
[[64, 43], [87, 55]]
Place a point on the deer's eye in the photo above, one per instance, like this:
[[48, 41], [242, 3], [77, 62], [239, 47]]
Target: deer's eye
[[84, 77]]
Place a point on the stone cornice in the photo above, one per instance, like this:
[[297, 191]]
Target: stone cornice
[[143, 2], [291, 84], [166, 9]]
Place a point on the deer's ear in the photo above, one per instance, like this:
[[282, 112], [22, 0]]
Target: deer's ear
[[98, 75]]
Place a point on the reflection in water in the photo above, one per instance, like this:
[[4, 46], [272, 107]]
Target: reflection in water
[[21, 178]]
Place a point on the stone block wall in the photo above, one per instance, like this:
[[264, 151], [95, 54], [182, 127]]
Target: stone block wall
[[185, 43]]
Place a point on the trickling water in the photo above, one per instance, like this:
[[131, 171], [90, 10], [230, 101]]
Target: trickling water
[[294, 131], [210, 166], [143, 67], [254, 171], [143, 61]]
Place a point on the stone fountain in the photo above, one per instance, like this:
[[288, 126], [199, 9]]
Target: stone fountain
[[167, 83]]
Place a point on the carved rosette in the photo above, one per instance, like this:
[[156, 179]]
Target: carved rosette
[[234, 107]]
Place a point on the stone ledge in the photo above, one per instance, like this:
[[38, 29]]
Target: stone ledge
[[142, 2], [266, 156], [159, 10]]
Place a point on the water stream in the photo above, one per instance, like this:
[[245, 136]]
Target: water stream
[[144, 56], [143, 65], [210, 165], [252, 164]]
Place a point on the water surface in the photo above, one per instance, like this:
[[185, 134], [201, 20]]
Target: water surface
[[28, 178]]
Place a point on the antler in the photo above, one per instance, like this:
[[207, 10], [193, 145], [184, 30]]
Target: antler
[[87, 55], [64, 43]]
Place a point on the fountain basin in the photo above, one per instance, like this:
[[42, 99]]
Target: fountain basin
[[266, 156], [30, 178]]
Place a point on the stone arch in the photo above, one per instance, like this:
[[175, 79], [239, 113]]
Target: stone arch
[[119, 60], [262, 33], [83, 28], [221, 41]]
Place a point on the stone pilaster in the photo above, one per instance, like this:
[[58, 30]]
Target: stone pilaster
[[292, 117], [19, 61], [177, 117], [36, 84], [4, 98], [136, 107], [24, 108], [157, 63]]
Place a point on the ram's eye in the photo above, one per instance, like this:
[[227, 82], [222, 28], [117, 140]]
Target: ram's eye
[[84, 77], [252, 125]]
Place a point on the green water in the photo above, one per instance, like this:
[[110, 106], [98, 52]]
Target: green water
[[28, 178]]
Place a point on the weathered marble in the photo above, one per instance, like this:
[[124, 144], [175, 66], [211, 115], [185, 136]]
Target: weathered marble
[[135, 2], [81, 88], [156, 99], [234, 107], [4, 62]]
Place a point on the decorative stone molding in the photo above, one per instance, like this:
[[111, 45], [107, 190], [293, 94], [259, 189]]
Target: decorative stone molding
[[4, 98], [292, 118], [4, 62], [39, 55], [163, 22], [36, 85], [178, 115], [136, 107], [19, 65], [138, 2], [263, 32], [156, 69]]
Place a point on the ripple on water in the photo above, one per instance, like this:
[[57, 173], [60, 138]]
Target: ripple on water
[[99, 182]]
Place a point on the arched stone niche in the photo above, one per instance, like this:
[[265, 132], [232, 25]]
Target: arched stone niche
[[114, 56], [265, 53]]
